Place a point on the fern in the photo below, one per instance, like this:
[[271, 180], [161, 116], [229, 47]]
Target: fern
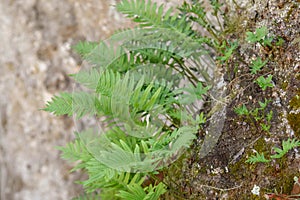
[[147, 14], [88, 78], [84, 48], [75, 151], [257, 158], [107, 82], [70, 104], [135, 191], [87, 197], [60, 105], [286, 146], [135, 84]]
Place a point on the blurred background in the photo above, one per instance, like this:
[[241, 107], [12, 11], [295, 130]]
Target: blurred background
[[35, 59]]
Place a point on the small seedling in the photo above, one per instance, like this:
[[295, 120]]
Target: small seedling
[[280, 41], [255, 114], [264, 82], [260, 36], [286, 146], [257, 65], [264, 104], [265, 127], [227, 53], [241, 110], [257, 158], [269, 116]]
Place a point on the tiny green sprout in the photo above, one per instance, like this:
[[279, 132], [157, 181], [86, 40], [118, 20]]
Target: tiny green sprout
[[255, 114], [265, 127], [269, 116], [257, 158], [264, 104], [267, 41], [286, 146], [264, 82], [257, 65], [260, 36], [241, 110], [227, 53], [216, 5], [280, 41], [201, 118]]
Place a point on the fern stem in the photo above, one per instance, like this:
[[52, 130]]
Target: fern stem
[[187, 72]]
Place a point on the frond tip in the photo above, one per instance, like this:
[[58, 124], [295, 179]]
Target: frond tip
[[80, 103], [84, 48], [60, 105]]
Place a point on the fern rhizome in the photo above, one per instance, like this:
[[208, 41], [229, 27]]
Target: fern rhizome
[[146, 88]]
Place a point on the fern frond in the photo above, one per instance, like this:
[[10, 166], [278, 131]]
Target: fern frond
[[183, 137], [144, 99], [257, 158], [70, 104], [136, 191], [100, 176], [88, 78], [154, 192], [107, 82], [60, 105], [75, 151], [84, 48], [106, 52], [91, 196], [147, 14], [126, 161], [141, 47], [286, 146]]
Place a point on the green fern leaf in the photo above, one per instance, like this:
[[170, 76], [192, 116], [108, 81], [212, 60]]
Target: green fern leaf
[[154, 192], [184, 137], [70, 104], [135, 192], [75, 151], [286, 146], [149, 15], [88, 78], [92, 196], [84, 48], [60, 105], [257, 158], [107, 82]]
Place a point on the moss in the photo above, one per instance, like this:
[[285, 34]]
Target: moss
[[284, 85], [241, 169], [294, 118], [284, 182], [294, 122], [295, 101]]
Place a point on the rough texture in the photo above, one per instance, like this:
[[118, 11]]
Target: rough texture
[[35, 38], [224, 172]]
